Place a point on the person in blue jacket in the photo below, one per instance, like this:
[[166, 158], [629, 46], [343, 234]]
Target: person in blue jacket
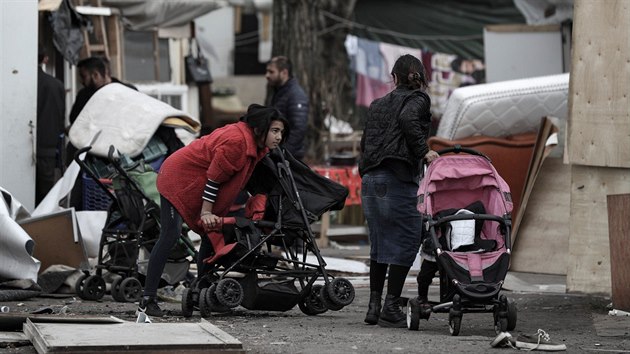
[[289, 98]]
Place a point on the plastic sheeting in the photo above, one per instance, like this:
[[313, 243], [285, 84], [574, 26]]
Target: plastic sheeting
[[448, 26], [16, 246], [141, 15]]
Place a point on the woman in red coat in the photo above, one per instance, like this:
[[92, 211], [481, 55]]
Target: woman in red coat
[[199, 182]]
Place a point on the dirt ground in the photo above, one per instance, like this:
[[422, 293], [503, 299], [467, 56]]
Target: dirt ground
[[580, 322]]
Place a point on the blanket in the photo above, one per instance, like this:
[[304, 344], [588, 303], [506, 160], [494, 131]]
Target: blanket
[[126, 119]]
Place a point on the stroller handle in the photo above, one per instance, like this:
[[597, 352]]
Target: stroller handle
[[459, 149]]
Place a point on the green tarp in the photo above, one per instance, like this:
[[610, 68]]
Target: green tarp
[[446, 26]]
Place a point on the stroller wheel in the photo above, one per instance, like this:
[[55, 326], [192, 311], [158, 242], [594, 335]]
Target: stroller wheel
[[511, 315], [204, 304], [215, 305], [79, 286], [311, 303], [187, 302], [454, 324], [229, 292], [323, 295], [93, 288], [340, 291], [130, 289], [115, 290], [413, 315]]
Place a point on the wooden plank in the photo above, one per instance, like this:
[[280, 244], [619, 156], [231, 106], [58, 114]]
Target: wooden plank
[[543, 240], [599, 101], [130, 337], [619, 236], [588, 265]]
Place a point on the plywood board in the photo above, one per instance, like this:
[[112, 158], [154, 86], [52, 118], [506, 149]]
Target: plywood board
[[599, 101], [588, 266], [619, 237], [130, 337], [56, 238], [543, 241]]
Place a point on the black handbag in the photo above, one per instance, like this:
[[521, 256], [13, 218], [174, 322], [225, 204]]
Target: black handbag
[[197, 68]]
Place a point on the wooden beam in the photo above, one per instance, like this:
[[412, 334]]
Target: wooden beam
[[619, 236]]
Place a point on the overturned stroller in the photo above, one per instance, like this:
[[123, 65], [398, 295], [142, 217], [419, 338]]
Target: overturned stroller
[[261, 261], [465, 207], [131, 229]]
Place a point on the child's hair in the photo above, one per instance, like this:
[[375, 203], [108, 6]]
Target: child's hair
[[410, 72], [260, 117]]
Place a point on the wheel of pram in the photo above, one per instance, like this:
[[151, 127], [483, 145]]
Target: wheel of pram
[[311, 303], [327, 301], [204, 304], [215, 305], [115, 290], [188, 305], [340, 291], [93, 288], [454, 324], [130, 289], [413, 315], [79, 285], [229, 292], [511, 315]]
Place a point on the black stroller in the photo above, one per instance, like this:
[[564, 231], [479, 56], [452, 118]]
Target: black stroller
[[246, 270], [132, 227], [466, 206]]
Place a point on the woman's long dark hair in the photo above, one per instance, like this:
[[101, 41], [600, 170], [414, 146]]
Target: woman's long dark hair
[[410, 73], [260, 117]]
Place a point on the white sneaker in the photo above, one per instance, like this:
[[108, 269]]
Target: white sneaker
[[539, 341], [503, 339]]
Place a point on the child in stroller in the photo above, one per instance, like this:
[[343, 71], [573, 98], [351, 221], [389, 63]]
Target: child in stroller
[[246, 270], [465, 206]]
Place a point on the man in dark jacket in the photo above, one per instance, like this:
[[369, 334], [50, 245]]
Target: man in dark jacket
[[291, 100], [51, 111]]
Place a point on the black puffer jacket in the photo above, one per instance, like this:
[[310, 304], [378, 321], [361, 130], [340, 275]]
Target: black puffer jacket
[[401, 137], [292, 102]]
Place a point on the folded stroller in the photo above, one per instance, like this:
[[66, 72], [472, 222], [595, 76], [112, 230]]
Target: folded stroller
[[260, 260], [465, 207], [131, 229]]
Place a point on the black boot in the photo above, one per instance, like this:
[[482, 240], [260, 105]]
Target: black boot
[[392, 316], [374, 308]]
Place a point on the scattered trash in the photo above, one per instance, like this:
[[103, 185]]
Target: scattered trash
[[4, 309], [615, 312], [539, 341], [43, 310], [143, 318]]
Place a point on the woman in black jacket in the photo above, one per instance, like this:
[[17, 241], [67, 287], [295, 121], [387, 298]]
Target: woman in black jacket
[[393, 145]]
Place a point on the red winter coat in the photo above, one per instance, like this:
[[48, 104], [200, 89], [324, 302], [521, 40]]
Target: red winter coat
[[227, 156]]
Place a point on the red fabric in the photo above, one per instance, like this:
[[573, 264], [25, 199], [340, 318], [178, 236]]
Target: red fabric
[[255, 207], [227, 156], [218, 243]]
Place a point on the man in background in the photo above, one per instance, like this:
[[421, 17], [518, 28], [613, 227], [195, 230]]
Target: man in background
[[51, 112], [290, 99]]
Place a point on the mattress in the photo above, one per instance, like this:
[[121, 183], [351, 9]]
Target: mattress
[[505, 108]]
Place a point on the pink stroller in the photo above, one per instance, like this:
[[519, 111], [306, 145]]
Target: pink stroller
[[465, 207]]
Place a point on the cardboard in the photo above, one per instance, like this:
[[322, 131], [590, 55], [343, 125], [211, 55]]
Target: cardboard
[[57, 240]]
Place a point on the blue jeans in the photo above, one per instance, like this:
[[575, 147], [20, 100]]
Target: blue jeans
[[393, 219]]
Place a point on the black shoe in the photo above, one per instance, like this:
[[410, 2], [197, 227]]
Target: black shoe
[[392, 316], [374, 308], [149, 306]]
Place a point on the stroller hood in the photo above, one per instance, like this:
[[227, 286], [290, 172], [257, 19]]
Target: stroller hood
[[286, 187]]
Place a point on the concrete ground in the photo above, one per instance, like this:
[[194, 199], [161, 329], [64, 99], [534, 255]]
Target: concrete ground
[[581, 322]]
